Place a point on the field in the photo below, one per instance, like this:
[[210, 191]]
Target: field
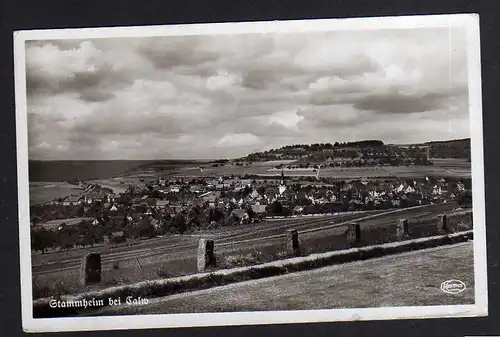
[[267, 169], [455, 166], [176, 255], [41, 192], [331, 172], [408, 279]]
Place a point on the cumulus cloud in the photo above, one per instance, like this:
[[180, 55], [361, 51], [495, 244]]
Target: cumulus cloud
[[227, 95]]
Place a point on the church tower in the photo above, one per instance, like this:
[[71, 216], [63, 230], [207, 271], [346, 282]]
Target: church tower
[[282, 186]]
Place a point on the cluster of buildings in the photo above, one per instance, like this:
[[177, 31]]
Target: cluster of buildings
[[244, 200]]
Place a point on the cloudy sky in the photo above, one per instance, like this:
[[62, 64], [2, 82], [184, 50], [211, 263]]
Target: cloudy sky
[[229, 95]]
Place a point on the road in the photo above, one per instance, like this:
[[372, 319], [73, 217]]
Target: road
[[182, 249], [408, 279]]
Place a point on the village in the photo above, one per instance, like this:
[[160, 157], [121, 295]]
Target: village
[[177, 205]]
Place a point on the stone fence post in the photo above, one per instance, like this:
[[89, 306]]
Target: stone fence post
[[292, 242], [353, 234], [90, 269], [206, 255], [402, 230], [443, 224]]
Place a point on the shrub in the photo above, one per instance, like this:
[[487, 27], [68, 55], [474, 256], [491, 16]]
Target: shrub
[[240, 260]]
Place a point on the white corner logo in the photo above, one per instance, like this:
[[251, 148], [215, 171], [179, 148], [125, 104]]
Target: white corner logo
[[453, 286]]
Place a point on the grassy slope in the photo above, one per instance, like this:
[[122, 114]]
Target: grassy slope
[[411, 279]]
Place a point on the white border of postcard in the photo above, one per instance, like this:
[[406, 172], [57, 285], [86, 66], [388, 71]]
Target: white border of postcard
[[480, 308]]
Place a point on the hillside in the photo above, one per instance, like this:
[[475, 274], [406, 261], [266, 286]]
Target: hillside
[[360, 153], [457, 148], [365, 150]]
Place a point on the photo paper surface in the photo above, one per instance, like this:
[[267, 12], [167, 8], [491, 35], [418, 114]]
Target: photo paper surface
[[250, 173]]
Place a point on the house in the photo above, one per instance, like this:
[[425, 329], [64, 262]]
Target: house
[[210, 197], [72, 200], [254, 194], [91, 197], [176, 208], [409, 190], [259, 209], [196, 189], [58, 223], [117, 237], [174, 189], [438, 190], [161, 204]]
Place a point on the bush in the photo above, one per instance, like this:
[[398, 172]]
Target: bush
[[240, 260]]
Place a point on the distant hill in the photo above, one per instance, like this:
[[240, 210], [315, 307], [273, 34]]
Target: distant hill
[[299, 150], [457, 148], [450, 142]]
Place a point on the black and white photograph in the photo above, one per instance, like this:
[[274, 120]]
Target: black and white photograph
[[250, 173]]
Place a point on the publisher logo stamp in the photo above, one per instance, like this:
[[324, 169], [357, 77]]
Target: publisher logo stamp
[[453, 286]]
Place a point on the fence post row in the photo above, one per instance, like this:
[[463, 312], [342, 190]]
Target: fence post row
[[91, 268]]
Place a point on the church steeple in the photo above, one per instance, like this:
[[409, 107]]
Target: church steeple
[[282, 186]]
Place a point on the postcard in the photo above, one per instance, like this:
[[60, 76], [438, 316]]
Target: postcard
[[250, 173]]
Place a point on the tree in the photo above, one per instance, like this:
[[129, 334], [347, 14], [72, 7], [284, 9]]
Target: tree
[[145, 229], [77, 211], [261, 190], [179, 223], [88, 239], [42, 239], [215, 214], [250, 212], [275, 208], [155, 194], [247, 191]]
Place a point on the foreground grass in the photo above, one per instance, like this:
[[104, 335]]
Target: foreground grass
[[410, 279]]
